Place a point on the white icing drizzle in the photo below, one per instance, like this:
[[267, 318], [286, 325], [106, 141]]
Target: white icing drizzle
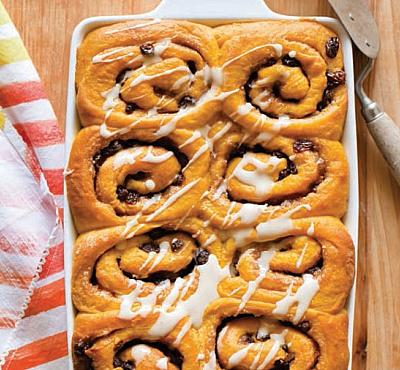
[[260, 101], [185, 328], [200, 357], [303, 297], [279, 340], [151, 158], [181, 81], [311, 229], [141, 25], [239, 356], [150, 184], [125, 157], [182, 220], [277, 47], [203, 149], [210, 274], [164, 246], [139, 352], [276, 227], [244, 109], [162, 363], [220, 190], [300, 259], [159, 49], [147, 303], [172, 199], [263, 268], [258, 178], [103, 57], [196, 135], [228, 214], [134, 221], [211, 239], [212, 362], [111, 97], [263, 330], [292, 53], [142, 78], [149, 258], [241, 236]]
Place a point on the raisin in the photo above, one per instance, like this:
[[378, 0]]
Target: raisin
[[179, 179], [335, 78], [278, 154], [192, 66], [246, 338], [238, 152], [332, 47], [276, 89], [176, 245], [281, 365], [326, 99], [270, 62], [303, 145], [304, 326], [291, 169], [186, 101], [125, 365], [202, 257], [81, 347], [262, 337], [150, 247], [147, 48], [128, 366], [313, 270], [112, 148], [157, 233], [290, 62], [285, 347], [121, 76], [132, 197], [130, 108], [122, 193]]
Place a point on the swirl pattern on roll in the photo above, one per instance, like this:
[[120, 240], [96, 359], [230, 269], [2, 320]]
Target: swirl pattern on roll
[[254, 179], [291, 82], [207, 186], [135, 177], [161, 76]]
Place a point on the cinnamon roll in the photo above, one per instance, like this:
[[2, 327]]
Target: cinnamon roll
[[153, 286], [289, 75], [256, 178], [135, 177], [148, 74], [208, 184]]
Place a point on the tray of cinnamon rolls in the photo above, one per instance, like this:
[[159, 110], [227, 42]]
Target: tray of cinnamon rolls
[[212, 191]]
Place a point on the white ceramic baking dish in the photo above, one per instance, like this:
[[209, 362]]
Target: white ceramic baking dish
[[213, 12]]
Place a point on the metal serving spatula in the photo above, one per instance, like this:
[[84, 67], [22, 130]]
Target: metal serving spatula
[[359, 23]]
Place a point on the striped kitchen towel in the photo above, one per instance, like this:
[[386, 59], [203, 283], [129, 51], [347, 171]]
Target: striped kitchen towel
[[32, 306]]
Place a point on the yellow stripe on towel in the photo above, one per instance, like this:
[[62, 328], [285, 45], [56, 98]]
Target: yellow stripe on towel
[[12, 50], [4, 17], [2, 120]]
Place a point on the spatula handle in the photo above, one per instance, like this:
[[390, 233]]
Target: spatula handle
[[387, 137]]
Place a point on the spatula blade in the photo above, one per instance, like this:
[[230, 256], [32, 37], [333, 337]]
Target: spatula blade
[[359, 23]]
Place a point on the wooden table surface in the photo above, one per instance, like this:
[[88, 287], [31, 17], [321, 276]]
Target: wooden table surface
[[46, 27]]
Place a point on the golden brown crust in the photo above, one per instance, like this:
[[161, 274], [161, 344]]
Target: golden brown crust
[[208, 186], [307, 39]]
